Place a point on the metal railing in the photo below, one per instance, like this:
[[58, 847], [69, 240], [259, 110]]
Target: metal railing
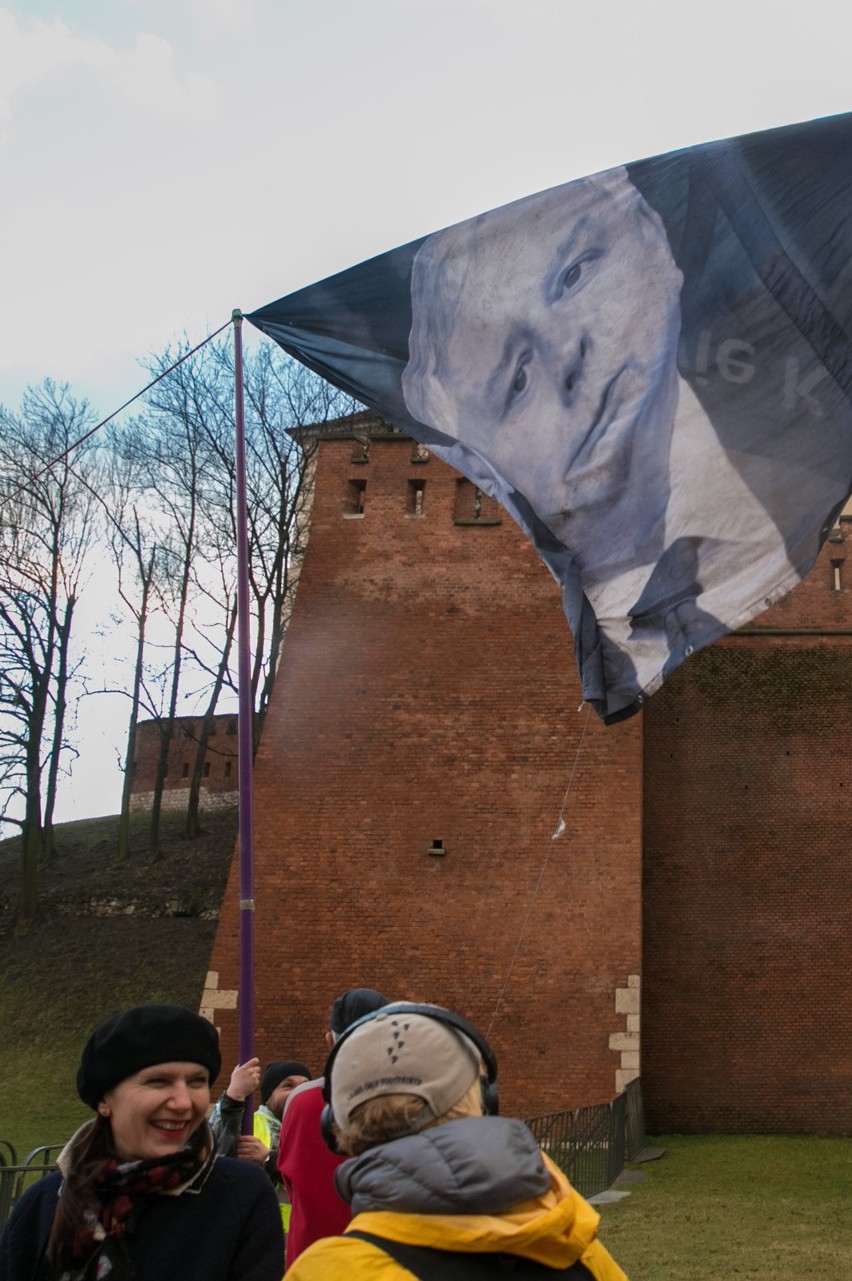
[[16, 1177], [590, 1145]]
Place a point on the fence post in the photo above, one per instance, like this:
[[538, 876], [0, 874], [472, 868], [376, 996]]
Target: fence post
[[618, 1112]]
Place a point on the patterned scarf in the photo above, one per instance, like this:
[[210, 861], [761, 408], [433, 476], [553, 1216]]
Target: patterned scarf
[[119, 1192]]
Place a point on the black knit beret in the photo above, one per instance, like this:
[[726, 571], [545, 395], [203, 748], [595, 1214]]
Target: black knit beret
[[277, 1072], [139, 1038]]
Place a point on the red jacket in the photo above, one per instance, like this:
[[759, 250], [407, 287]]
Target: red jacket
[[307, 1168]]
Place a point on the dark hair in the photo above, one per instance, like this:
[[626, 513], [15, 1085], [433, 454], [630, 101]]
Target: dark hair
[[353, 1005], [89, 1155]]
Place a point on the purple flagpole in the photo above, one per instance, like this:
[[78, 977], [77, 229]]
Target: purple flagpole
[[245, 737]]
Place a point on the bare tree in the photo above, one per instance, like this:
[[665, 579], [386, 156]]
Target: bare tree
[[135, 543], [46, 531], [171, 512], [180, 482], [281, 397], [166, 500]]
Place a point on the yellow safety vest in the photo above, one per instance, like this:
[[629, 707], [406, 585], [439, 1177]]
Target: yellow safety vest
[[263, 1131]]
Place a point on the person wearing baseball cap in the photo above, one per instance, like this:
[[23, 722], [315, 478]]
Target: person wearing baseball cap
[[440, 1185], [141, 1194]]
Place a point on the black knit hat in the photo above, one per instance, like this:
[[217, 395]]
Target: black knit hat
[[277, 1072], [353, 1005], [139, 1038]]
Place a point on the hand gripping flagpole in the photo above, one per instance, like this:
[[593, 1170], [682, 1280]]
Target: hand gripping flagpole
[[245, 738]]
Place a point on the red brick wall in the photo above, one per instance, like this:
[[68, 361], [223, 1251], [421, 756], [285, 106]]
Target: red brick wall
[[747, 1001], [428, 692]]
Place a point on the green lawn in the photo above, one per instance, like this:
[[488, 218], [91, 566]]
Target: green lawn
[[773, 1208]]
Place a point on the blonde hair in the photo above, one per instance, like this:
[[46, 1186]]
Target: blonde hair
[[392, 1116]]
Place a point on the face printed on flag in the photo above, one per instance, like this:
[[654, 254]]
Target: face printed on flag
[[553, 355], [650, 368]]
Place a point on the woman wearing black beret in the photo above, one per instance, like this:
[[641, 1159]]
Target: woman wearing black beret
[[141, 1194]]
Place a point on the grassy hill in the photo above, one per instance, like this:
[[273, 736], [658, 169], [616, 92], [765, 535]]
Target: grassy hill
[[112, 935]]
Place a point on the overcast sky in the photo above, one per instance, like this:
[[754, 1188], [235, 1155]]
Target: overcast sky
[[164, 161]]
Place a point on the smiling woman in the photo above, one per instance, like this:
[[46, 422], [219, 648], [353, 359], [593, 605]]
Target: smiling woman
[[118, 1207], [155, 1112]]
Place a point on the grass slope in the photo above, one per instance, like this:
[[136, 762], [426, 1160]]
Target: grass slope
[[73, 969]]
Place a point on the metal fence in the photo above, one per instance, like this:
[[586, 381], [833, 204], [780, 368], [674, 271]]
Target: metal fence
[[592, 1144], [16, 1177]]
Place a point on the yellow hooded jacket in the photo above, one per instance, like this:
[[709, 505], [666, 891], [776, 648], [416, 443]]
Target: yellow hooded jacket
[[556, 1228]]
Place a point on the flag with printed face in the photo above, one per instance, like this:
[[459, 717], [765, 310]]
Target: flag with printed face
[[649, 368]]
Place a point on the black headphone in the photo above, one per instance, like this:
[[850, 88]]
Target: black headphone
[[490, 1088]]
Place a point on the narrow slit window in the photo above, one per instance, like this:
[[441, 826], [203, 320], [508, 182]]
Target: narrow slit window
[[356, 498], [837, 575], [473, 506], [206, 769], [184, 773], [416, 497]]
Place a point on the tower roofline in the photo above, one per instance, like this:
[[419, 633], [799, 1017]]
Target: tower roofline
[[362, 425]]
